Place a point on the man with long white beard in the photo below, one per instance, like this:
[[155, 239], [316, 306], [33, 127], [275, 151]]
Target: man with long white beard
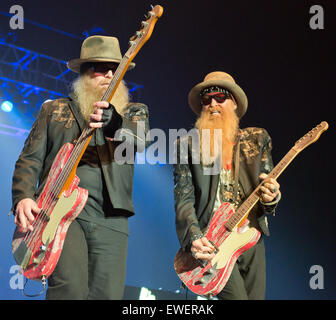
[[245, 160], [92, 264]]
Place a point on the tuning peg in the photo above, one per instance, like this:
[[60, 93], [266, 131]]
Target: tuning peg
[[149, 14], [139, 34], [131, 43], [144, 24]]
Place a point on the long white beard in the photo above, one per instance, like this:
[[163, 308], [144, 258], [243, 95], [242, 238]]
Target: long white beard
[[86, 96]]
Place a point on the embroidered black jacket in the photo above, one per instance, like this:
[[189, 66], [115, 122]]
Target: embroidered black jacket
[[195, 191]]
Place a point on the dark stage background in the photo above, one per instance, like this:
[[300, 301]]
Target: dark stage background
[[287, 71]]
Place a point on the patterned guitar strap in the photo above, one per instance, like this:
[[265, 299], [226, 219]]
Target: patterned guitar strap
[[236, 169]]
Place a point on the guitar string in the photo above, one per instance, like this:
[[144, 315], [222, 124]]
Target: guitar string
[[56, 188], [53, 191]]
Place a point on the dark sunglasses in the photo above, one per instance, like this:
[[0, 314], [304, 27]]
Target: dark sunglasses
[[220, 97], [101, 68]]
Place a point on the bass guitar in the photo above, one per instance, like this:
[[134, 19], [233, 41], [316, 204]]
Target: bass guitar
[[61, 200], [230, 233]]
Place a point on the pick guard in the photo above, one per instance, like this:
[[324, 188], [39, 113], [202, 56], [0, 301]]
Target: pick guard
[[232, 243], [62, 207]]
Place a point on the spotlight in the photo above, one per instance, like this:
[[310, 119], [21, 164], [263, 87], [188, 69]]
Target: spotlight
[[7, 106]]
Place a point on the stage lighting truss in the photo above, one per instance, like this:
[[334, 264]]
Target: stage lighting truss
[[28, 78]]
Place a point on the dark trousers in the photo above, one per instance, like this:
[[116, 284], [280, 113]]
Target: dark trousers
[[92, 264], [248, 277]]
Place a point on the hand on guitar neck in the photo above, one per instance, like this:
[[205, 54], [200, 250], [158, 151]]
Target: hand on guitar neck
[[24, 213], [101, 115], [269, 190]]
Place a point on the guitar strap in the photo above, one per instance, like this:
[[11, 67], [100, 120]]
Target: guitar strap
[[236, 168]]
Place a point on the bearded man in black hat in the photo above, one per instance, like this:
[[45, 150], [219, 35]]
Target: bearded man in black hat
[[245, 158], [92, 264]]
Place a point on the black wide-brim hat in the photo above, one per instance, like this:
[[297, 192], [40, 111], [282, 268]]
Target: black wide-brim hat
[[98, 49], [222, 80]]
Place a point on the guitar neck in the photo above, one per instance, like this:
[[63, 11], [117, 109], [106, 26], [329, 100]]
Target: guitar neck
[[83, 141], [253, 198], [137, 41], [117, 77]]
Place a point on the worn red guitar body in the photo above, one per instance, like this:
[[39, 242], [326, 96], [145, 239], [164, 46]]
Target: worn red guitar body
[[38, 251], [211, 279]]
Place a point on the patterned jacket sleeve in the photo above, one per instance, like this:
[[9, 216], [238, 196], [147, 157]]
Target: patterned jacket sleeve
[[266, 166], [28, 167], [133, 125], [187, 226]]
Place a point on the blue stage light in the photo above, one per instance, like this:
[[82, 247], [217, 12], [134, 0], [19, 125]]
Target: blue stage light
[[7, 106]]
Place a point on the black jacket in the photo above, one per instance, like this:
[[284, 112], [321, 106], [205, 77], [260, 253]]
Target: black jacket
[[59, 122]]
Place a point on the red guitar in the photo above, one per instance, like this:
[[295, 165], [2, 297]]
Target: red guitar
[[61, 200], [230, 233]]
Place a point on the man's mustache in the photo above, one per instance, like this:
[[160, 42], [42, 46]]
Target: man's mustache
[[212, 110]]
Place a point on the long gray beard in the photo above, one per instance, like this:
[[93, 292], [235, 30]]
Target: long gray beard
[[86, 96]]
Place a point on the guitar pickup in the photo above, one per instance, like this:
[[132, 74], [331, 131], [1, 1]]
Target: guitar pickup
[[209, 272], [199, 282]]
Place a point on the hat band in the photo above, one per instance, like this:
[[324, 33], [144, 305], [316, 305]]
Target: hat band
[[109, 58], [213, 89]]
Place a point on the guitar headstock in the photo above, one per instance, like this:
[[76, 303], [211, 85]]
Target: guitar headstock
[[146, 29], [311, 136]]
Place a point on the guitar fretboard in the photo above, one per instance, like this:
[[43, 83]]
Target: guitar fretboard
[[84, 139], [253, 198]]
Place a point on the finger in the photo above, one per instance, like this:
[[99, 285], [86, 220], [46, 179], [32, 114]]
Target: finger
[[29, 215], [36, 209], [102, 104], [16, 219], [204, 256], [96, 124], [21, 219], [207, 246], [267, 198], [197, 246], [95, 117], [271, 187], [263, 176], [98, 111], [274, 183], [265, 191]]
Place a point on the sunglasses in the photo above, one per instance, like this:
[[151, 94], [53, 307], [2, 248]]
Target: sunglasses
[[219, 97], [101, 68]]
